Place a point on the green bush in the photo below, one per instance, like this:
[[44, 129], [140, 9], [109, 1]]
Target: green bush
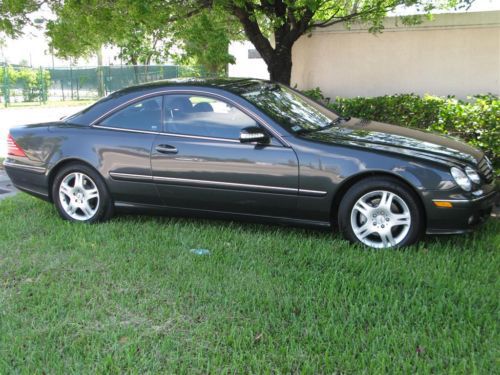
[[33, 82], [476, 120], [317, 95]]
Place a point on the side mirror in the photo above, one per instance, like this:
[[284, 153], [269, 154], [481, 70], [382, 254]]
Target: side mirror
[[253, 134]]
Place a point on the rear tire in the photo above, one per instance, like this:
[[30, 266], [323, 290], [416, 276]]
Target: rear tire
[[80, 194], [381, 212]]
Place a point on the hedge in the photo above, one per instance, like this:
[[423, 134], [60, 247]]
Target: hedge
[[476, 120]]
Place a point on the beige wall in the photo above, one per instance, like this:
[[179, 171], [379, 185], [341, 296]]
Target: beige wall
[[455, 54]]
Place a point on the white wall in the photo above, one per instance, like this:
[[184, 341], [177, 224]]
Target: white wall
[[245, 67], [455, 54]]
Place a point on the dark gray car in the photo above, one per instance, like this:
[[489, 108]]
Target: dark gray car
[[243, 148]]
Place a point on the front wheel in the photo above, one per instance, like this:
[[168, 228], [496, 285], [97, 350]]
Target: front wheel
[[79, 194], [380, 212]]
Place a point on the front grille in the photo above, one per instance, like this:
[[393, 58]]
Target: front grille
[[485, 169]]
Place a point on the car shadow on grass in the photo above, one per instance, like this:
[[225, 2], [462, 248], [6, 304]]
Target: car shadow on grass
[[252, 227]]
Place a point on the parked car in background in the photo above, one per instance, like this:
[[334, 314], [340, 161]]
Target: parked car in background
[[246, 148]]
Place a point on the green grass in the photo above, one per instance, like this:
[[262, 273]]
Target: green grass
[[127, 296]]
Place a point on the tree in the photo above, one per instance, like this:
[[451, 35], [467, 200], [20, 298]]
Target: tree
[[204, 40], [14, 15], [144, 32]]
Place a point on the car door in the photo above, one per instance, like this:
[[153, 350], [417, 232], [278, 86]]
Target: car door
[[124, 140], [200, 163]]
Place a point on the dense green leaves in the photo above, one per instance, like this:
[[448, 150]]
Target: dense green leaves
[[34, 83], [204, 41], [14, 15]]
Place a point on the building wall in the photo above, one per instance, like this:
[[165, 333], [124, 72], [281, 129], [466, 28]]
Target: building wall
[[247, 63], [455, 54]]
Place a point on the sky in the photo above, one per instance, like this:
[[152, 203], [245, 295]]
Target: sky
[[32, 48]]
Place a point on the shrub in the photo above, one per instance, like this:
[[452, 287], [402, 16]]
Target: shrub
[[33, 82], [316, 94], [476, 120]]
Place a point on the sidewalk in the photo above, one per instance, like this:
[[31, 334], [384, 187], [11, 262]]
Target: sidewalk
[[6, 187]]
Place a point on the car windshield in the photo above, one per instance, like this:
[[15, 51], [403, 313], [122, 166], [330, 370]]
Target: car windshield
[[292, 110]]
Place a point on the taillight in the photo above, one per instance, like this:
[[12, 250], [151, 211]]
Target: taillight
[[13, 149]]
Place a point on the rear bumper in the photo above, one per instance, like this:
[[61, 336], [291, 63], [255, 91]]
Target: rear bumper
[[464, 215], [28, 178]]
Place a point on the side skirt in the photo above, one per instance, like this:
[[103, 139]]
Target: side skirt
[[188, 212]]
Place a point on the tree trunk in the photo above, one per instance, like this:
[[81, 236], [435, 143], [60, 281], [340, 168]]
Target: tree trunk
[[101, 90], [134, 61], [280, 66]]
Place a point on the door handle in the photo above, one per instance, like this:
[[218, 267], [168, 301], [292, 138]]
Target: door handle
[[166, 149]]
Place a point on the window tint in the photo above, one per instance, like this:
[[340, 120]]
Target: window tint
[[204, 116], [143, 115]]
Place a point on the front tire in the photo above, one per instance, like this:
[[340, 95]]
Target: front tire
[[380, 212], [80, 195]]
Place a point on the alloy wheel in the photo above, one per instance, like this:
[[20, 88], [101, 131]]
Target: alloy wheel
[[79, 196], [380, 219]]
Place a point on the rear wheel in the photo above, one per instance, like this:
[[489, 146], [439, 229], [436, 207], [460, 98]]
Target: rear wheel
[[80, 194], [380, 212]]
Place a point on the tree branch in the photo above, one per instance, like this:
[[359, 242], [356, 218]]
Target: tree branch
[[254, 33]]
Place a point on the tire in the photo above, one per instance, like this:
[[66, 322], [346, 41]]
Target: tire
[[381, 212], [80, 194]]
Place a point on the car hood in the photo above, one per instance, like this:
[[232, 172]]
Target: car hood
[[377, 135]]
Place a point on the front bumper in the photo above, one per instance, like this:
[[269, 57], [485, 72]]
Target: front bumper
[[464, 215]]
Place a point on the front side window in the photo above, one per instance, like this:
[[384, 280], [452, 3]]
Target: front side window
[[204, 116], [143, 115]]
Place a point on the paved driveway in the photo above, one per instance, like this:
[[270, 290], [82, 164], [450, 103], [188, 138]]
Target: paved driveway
[[11, 117]]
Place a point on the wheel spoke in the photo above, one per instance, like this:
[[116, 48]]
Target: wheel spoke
[[92, 193], [87, 210], [386, 200], [363, 231], [66, 189], [387, 239], [79, 180], [363, 208], [71, 209], [400, 219]]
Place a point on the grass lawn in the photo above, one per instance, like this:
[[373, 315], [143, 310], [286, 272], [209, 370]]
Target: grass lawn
[[129, 296]]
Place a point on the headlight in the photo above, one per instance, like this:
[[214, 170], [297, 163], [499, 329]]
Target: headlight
[[461, 178], [472, 174]]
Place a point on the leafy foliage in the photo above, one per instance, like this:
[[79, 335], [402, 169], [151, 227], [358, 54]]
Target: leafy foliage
[[14, 15], [476, 120], [33, 82], [204, 41]]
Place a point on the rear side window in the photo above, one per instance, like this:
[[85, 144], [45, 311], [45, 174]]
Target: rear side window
[[204, 116], [143, 115]]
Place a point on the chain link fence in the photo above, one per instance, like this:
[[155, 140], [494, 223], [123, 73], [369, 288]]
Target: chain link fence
[[21, 85]]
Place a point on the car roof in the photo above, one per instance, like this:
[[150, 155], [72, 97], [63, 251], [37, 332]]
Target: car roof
[[235, 85]]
